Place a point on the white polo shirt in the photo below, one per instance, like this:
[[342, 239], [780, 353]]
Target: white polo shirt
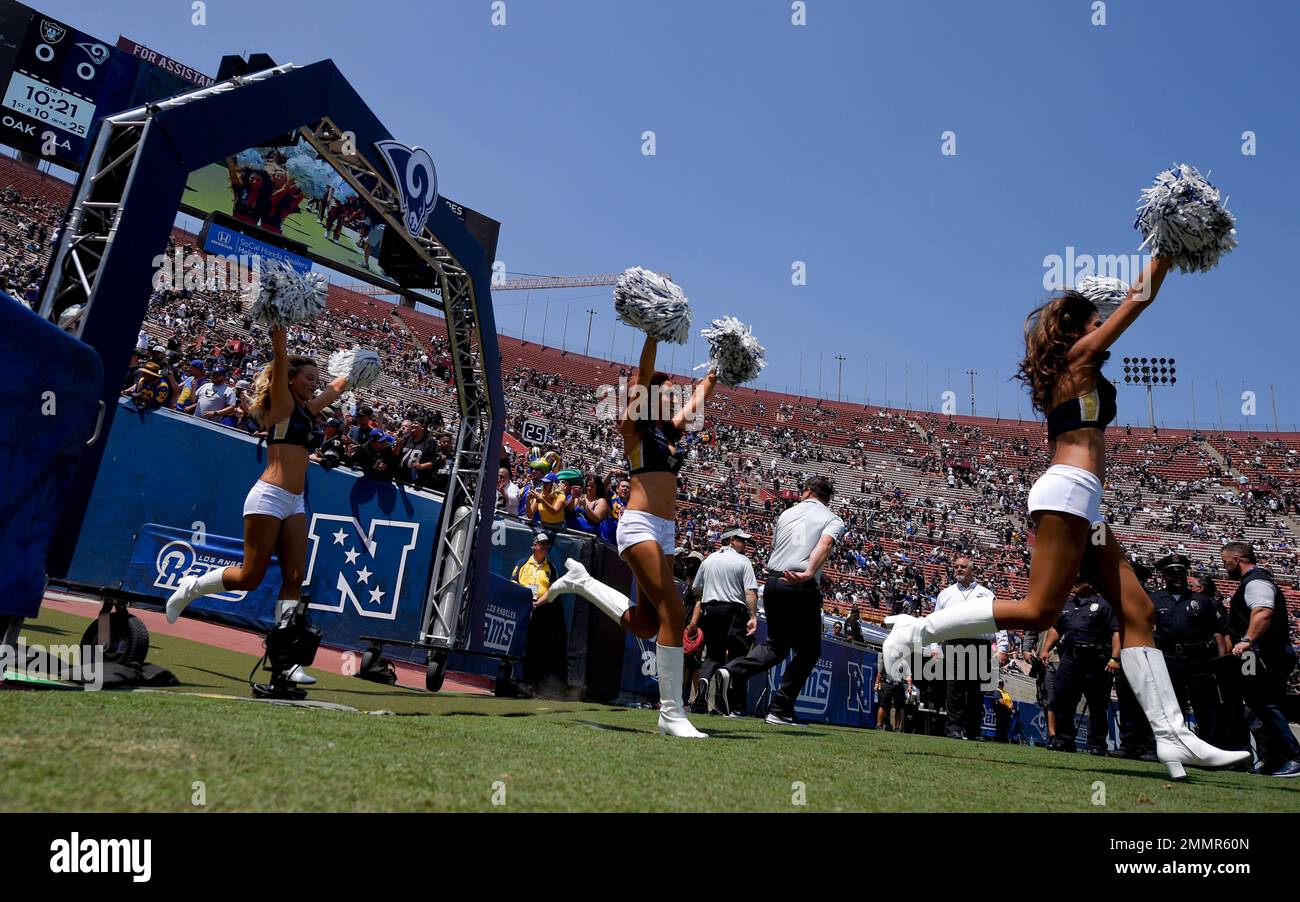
[[959, 594], [726, 575]]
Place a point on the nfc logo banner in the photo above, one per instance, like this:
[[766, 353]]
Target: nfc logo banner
[[350, 566]]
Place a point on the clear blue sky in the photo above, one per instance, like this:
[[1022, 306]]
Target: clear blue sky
[[821, 143]]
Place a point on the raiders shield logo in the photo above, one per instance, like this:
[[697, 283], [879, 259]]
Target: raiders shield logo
[[52, 32]]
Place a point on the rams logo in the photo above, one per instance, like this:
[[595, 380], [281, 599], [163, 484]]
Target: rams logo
[[179, 559], [416, 181], [98, 53], [815, 696], [348, 565]]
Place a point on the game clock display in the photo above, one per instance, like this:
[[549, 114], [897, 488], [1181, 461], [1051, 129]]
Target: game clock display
[[60, 77]]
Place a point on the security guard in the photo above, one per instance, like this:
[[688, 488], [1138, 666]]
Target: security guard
[[1186, 631], [1258, 623], [1088, 632]]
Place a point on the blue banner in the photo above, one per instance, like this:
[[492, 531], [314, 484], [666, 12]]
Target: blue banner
[[228, 242], [153, 519]]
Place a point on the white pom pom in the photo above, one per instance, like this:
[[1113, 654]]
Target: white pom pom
[[281, 295], [360, 365], [734, 353], [1107, 293], [653, 304], [1182, 219]]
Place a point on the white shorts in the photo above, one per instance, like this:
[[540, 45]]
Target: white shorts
[[635, 527], [1069, 490], [273, 501]]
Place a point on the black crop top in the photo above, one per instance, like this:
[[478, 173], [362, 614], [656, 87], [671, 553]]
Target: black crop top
[[296, 430], [655, 454], [1096, 409]]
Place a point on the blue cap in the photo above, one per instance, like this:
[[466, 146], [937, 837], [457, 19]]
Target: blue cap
[[197, 363], [376, 435], [550, 477]]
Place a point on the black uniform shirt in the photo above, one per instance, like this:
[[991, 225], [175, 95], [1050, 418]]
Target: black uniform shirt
[[1086, 621], [1186, 618]]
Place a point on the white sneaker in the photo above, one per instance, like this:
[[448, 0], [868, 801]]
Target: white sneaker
[[901, 643], [296, 674], [181, 598]]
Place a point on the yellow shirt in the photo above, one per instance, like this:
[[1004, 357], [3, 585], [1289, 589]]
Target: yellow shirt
[[1004, 698], [535, 576]]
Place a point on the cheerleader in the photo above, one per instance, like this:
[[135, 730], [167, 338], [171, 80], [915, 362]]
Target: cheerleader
[[647, 532], [284, 402], [1066, 343], [652, 426]]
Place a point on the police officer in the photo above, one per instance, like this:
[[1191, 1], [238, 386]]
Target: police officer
[[1258, 623], [1187, 632], [1088, 632]]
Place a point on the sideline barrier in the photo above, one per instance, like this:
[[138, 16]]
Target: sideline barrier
[[169, 501]]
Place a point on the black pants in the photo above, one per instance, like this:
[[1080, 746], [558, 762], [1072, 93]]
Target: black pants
[[1002, 723], [1194, 682], [1265, 693], [724, 638], [1082, 674], [794, 623], [1135, 736], [964, 700]]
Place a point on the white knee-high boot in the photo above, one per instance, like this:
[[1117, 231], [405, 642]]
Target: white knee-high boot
[[577, 580], [191, 588], [670, 662], [910, 634], [1176, 745]]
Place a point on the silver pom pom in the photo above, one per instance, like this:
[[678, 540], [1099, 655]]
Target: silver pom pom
[[1107, 293], [360, 365], [734, 353], [281, 295], [1182, 219], [653, 304]]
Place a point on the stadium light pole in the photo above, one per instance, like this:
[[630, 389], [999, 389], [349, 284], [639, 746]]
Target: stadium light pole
[[1150, 371], [839, 382], [1273, 400], [564, 339], [586, 349], [972, 374], [524, 334], [546, 316]]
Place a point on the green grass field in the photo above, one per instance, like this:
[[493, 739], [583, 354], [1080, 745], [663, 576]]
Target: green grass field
[[145, 750]]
